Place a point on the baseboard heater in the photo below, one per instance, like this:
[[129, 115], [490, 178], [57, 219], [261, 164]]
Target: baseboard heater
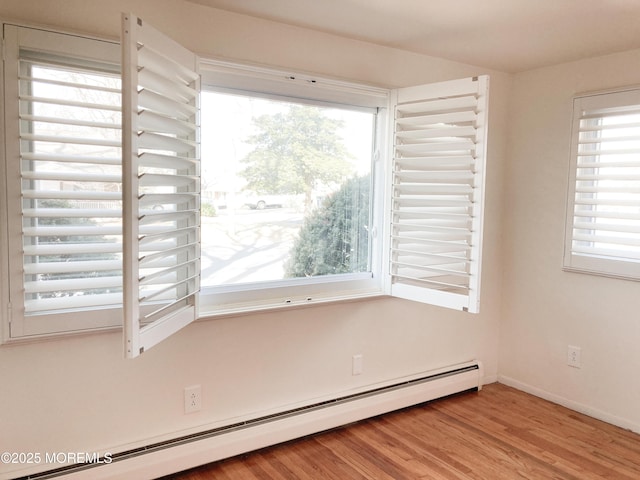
[[190, 451]]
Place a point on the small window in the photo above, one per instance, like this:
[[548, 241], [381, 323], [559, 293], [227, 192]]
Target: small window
[[603, 213]]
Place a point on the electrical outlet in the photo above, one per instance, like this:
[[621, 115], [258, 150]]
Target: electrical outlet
[[356, 365], [573, 356], [192, 399]]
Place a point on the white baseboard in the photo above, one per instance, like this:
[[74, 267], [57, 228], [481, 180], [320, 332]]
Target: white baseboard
[[576, 406], [489, 379], [155, 463]]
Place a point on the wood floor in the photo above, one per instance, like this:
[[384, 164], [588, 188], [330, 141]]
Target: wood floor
[[498, 433]]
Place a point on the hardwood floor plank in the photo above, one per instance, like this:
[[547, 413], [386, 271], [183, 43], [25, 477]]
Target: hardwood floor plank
[[498, 433], [393, 449], [359, 456], [576, 441], [560, 446], [263, 466], [422, 451], [418, 451], [479, 454], [334, 466]]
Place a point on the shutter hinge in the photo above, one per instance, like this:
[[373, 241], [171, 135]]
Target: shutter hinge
[[9, 320], [9, 323]]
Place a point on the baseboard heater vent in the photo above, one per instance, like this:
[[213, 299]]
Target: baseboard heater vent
[[164, 458]]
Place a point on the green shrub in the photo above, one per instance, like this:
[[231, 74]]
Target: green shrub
[[334, 237]]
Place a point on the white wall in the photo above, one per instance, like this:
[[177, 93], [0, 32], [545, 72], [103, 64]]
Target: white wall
[[78, 394], [546, 309]]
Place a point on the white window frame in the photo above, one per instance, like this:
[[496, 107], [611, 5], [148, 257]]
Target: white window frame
[[385, 278], [582, 253]]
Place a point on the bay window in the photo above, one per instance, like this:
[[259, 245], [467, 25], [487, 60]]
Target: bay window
[[268, 189]]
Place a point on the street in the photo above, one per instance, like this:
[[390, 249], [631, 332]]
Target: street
[[244, 245]]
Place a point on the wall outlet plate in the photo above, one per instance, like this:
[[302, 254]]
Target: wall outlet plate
[[573, 356], [192, 399], [356, 365]]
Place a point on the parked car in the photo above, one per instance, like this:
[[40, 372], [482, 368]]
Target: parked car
[[260, 202]]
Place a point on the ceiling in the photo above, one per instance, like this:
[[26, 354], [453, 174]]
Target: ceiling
[[506, 35]]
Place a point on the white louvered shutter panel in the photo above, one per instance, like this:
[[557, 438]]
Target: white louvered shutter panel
[[439, 157], [161, 163], [70, 187], [64, 181], [603, 214]]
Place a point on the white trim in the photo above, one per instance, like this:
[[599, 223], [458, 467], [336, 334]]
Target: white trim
[[5, 306], [571, 404], [286, 83]]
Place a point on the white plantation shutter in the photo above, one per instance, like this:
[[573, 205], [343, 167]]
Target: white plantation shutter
[[161, 167], [70, 187], [603, 214], [439, 156], [63, 181]]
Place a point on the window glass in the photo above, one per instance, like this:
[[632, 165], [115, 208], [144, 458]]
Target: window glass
[[286, 189]]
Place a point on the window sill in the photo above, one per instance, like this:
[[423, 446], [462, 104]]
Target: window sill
[[245, 308]]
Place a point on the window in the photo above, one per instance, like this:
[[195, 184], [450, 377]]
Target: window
[[309, 190], [76, 252], [603, 217], [292, 196], [63, 181]]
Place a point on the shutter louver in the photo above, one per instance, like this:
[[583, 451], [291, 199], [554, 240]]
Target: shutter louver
[[161, 162], [603, 220], [70, 184], [438, 192]]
